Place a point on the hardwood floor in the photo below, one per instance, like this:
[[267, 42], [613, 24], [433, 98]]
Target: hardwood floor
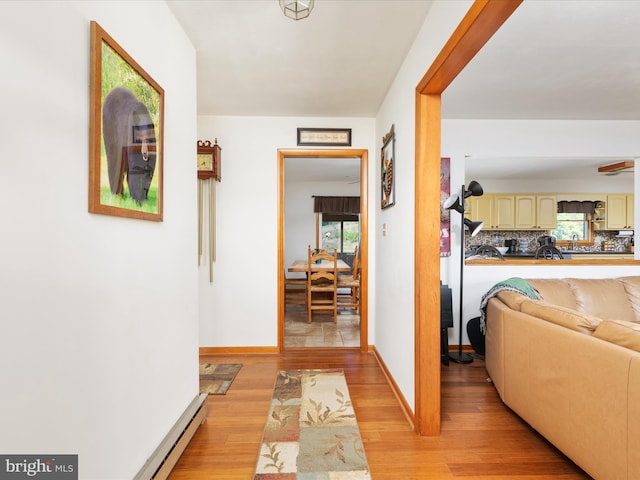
[[481, 438]]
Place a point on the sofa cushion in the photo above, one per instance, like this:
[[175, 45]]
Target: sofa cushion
[[562, 316], [603, 297], [632, 287], [555, 290], [620, 332]]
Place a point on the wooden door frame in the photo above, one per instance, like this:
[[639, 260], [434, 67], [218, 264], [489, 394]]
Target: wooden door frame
[[363, 155], [482, 20]]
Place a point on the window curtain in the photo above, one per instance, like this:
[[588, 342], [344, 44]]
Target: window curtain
[[342, 205], [337, 209], [576, 207]]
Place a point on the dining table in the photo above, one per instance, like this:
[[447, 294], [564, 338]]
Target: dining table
[[301, 266]]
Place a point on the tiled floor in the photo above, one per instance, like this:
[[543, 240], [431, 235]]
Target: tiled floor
[[322, 332]]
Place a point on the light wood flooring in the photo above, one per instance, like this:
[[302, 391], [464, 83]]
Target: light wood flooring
[[322, 331], [481, 438]]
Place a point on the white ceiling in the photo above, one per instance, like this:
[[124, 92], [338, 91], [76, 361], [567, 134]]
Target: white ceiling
[[562, 60], [553, 59], [340, 61], [341, 170]]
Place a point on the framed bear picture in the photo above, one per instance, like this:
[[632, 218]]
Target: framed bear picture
[[125, 134]]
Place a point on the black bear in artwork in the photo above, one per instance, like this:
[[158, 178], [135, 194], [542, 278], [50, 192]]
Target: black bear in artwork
[[130, 143]]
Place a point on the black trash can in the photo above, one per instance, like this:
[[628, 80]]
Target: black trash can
[[476, 337]]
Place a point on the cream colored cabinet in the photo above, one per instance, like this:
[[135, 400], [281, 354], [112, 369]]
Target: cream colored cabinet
[[546, 212], [620, 211], [525, 212], [497, 211], [505, 212], [482, 210], [600, 216], [536, 212]]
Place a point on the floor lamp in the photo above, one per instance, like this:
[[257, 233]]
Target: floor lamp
[[457, 203]]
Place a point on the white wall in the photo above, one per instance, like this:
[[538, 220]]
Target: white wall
[[99, 314], [247, 225], [528, 138], [394, 255], [299, 219]]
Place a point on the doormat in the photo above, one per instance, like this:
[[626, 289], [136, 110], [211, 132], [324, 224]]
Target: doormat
[[215, 378], [311, 430]]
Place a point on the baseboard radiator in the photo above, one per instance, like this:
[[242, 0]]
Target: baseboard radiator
[[174, 443]]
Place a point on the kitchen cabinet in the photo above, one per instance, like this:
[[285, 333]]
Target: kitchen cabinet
[[525, 212], [536, 212], [497, 211], [505, 213], [546, 212], [481, 210], [620, 211], [600, 216]]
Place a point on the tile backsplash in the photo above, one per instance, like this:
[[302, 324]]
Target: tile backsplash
[[497, 238]]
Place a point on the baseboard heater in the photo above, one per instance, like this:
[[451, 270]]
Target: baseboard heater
[[166, 456]]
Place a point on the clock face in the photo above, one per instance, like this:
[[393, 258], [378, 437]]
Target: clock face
[[205, 162]]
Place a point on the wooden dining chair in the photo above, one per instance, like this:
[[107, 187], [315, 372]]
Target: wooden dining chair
[[322, 283], [352, 282], [295, 291]]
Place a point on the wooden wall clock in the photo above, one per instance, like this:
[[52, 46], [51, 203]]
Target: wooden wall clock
[[209, 160]]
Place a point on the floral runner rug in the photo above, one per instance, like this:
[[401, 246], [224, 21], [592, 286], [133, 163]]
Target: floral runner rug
[[216, 378], [311, 431]]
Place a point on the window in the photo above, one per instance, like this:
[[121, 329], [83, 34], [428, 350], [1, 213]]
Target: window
[[570, 224], [337, 223], [341, 232]]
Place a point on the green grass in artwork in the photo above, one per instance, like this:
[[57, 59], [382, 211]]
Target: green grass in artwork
[[125, 201]]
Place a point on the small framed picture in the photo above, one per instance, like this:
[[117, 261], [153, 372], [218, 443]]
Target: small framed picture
[[322, 137], [387, 169]]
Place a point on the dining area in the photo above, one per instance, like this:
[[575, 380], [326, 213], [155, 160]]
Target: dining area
[[322, 300]]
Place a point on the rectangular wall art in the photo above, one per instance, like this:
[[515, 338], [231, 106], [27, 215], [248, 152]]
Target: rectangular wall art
[[387, 169], [125, 134], [445, 191]]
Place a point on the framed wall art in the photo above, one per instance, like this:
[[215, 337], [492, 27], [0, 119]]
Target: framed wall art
[[387, 169], [125, 134], [320, 137], [445, 214]]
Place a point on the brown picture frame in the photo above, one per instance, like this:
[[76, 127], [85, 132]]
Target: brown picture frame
[[126, 127], [324, 137], [387, 170]]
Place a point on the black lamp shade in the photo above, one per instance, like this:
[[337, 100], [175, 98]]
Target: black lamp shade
[[453, 203], [475, 188], [474, 227]]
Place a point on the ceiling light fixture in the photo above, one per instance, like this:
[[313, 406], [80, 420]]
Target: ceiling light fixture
[[296, 9], [615, 168]]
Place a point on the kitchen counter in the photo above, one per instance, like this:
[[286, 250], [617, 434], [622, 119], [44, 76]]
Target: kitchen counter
[[569, 258], [570, 253]]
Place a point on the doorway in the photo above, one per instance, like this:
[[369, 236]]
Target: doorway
[[329, 155], [481, 21]]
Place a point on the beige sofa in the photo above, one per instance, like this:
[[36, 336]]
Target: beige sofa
[[569, 365]]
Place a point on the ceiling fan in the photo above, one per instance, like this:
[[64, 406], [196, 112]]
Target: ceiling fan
[[625, 166]]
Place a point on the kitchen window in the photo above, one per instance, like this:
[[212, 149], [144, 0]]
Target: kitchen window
[[574, 222], [573, 227]]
